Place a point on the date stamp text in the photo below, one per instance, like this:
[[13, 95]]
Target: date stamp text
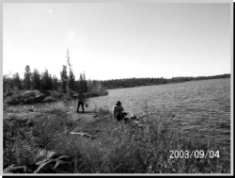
[[194, 154]]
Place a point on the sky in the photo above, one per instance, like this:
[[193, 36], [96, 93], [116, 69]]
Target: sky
[[118, 40]]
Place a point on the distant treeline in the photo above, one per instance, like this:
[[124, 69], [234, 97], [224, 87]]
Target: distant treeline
[[133, 82], [44, 82]]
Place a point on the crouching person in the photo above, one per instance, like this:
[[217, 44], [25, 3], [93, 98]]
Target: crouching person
[[118, 112]]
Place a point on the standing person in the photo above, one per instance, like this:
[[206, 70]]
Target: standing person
[[118, 111], [81, 102]]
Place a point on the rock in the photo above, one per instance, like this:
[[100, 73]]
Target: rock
[[26, 97], [48, 99]]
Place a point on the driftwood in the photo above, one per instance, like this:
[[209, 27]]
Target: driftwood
[[15, 169], [83, 134], [51, 166], [45, 167], [53, 163]]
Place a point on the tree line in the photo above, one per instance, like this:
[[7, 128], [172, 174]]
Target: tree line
[[67, 82], [45, 81], [133, 82]]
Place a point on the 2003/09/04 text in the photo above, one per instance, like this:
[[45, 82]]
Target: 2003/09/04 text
[[196, 154]]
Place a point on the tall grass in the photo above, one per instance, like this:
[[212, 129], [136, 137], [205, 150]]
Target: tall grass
[[121, 147]]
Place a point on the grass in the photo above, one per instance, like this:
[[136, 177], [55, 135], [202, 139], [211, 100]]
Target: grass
[[118, 147]]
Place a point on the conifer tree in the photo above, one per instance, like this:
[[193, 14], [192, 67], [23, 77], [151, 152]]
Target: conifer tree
[[36, 80], [16, 81], [46, 81], [64, 78], [27, 78]]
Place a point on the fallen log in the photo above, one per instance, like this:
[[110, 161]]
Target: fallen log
[[83, 134], [15, 169]]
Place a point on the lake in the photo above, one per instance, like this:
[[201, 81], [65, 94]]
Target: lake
[[199, 107], [195, 99]]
